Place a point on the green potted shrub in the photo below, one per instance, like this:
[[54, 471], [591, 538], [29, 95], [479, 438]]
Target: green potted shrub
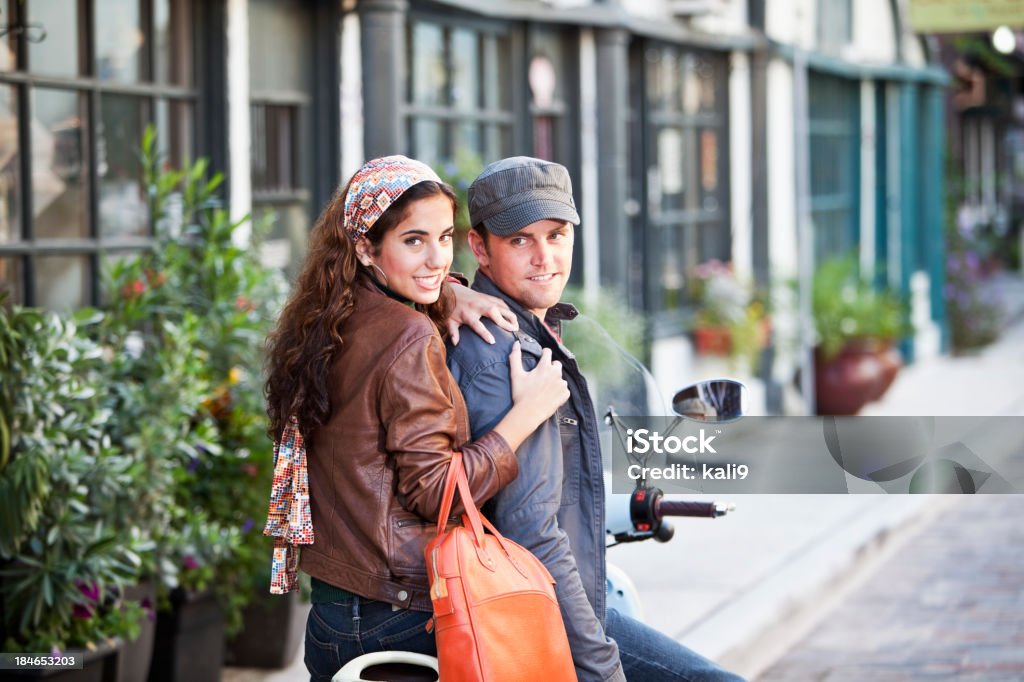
[[857, 326], [200, 305], [64, 562]]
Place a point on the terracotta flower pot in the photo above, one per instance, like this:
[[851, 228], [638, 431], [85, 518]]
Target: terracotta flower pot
[[861, 372], [712, 340]]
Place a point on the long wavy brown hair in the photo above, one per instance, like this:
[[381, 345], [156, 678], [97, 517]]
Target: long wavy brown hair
[[311, 329]]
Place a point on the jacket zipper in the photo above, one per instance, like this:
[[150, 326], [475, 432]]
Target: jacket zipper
[[404, 523]]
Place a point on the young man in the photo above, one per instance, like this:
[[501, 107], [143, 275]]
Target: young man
[[523, 215]]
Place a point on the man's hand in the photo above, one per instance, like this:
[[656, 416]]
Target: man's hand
[[470, 309], [541, 390]]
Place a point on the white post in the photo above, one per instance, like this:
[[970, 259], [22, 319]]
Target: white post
[[239, 152], [588, 172]]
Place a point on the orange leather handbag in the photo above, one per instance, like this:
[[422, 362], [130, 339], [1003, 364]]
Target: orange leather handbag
[[496, 618]]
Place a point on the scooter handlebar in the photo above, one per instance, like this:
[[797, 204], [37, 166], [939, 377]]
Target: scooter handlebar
[[712, 510]]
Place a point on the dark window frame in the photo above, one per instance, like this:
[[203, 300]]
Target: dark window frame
[[95, 247], [513, 119], [645, 122]]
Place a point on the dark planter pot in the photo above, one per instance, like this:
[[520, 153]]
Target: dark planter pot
[[272, 630], [100, 665], [861, 372], [136, 654], [189, 644]]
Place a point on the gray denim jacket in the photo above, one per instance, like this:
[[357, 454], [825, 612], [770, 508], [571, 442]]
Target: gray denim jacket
[[555, 507]]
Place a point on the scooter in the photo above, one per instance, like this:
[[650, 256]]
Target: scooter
[[622, 383]]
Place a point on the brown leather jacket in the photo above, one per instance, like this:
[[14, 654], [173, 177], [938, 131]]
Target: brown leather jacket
[[377, 467]]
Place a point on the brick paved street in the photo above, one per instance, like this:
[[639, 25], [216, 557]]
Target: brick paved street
[[948, 605]]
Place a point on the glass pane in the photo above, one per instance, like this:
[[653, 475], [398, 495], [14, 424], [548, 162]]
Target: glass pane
[[119, 40], [467, 139], [704, 69], [11, 280], [496, 53], [172, 24], [123, 209], [465, 58], [504, 80], [58, 53], [668, 271], [709, 169], [711, 238], [59, 177], [692, 91], [174, 127], [549, 46], [280, 53], [498, 143], [663, 78], [273, 147], [671, 168], [428, 70], [428, 141], [287, 235], [10, 175], [62, 282]]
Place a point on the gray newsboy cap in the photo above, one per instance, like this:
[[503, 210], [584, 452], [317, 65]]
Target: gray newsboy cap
[[515, 192]]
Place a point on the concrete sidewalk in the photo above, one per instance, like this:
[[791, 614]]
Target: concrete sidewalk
[[745, 588], [946, 606]]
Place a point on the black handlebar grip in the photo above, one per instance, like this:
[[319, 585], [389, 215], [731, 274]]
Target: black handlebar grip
[[681, 508]]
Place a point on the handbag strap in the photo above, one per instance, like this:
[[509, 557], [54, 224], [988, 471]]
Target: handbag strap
[[450, 483], [471, 518]]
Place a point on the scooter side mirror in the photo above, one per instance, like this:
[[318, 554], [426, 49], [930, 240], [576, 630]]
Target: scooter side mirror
[[714, 400]]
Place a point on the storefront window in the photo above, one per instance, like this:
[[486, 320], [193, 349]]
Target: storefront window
[[458, 91], [682, 150], [834, 108], [281, 94], [94, 75]]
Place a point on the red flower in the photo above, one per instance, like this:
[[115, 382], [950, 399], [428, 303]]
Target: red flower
[[133, 289]]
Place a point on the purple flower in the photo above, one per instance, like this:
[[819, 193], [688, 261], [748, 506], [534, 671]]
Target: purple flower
[[189, 562], [247, 526], [147, 606], [193, 465], [81, 612], [90, 590], [949, 290], [972, 260], [953, 264], [55, 651]]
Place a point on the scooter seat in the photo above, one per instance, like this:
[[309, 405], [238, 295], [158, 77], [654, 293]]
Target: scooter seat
[[399, 672], [389, 666]]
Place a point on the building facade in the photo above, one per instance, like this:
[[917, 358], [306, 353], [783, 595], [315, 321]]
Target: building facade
[[684, 123]]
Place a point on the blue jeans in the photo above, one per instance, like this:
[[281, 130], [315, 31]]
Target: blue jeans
[[649, 656], [342, 630]]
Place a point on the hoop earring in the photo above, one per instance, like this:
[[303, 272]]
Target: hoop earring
[[380, 272]]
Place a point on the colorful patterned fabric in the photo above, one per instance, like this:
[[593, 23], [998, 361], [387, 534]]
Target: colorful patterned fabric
[[289, 520], [376, 186]]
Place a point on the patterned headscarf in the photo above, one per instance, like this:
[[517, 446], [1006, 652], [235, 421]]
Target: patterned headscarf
[[289, 520], [376, 186]]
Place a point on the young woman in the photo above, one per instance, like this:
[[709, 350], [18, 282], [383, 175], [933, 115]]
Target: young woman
[[357, 378]]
